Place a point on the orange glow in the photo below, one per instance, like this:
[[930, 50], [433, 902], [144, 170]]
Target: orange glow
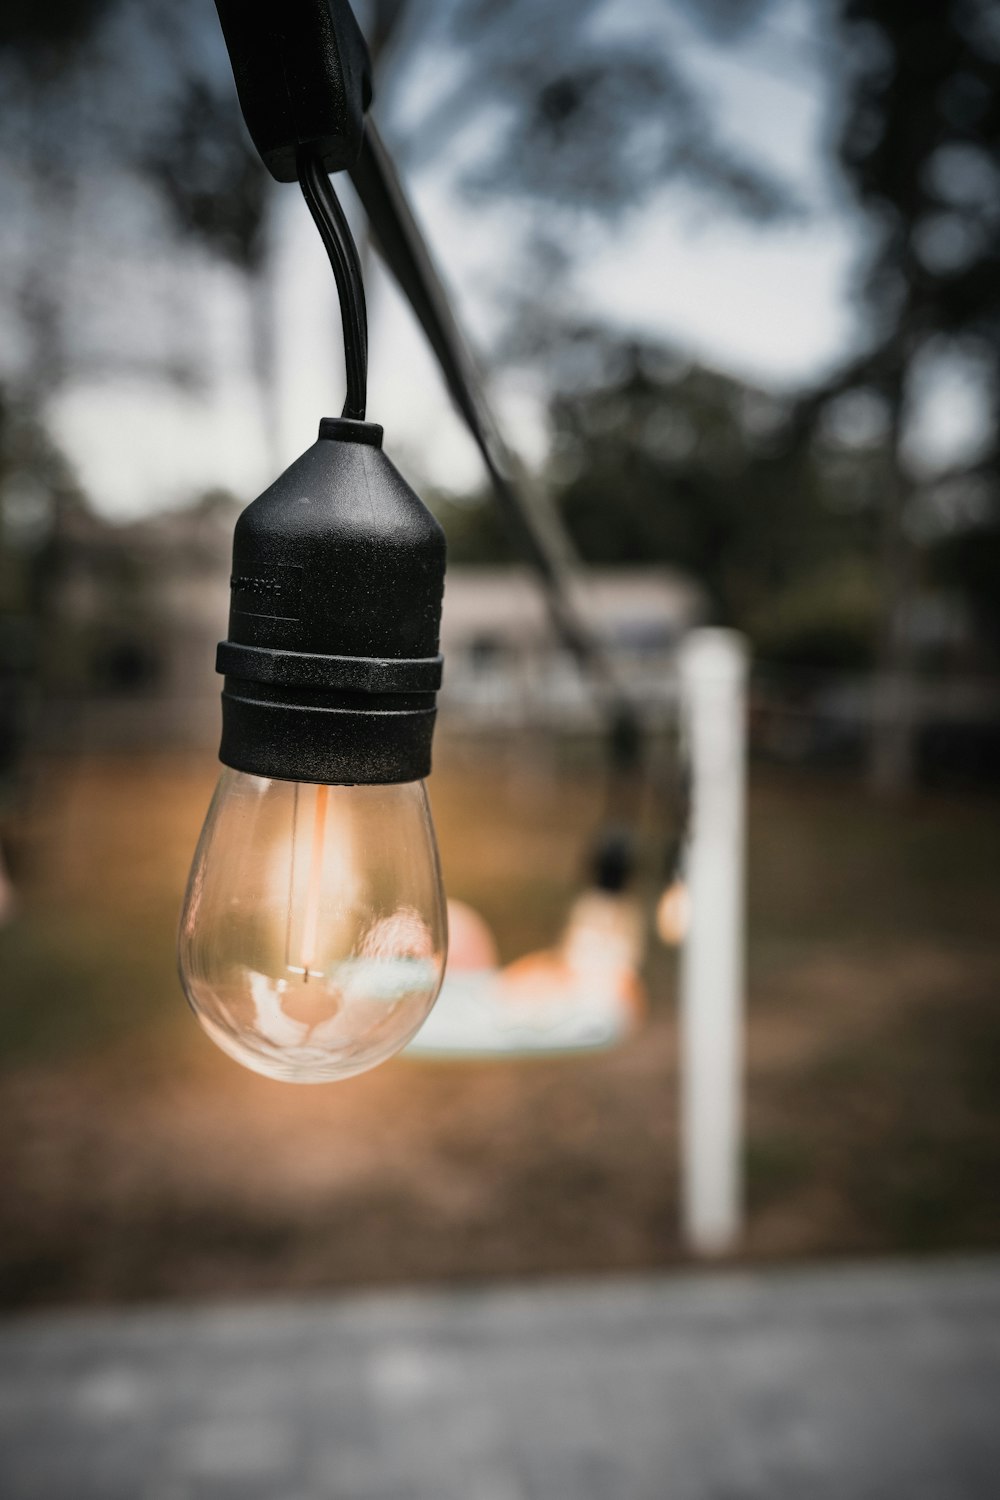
[[471, 944], [672, 912]]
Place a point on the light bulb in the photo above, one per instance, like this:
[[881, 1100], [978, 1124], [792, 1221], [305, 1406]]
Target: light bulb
[[313, 933], [312, 939]]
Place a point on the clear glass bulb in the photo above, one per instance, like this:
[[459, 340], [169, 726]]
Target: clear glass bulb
[[313, 935]]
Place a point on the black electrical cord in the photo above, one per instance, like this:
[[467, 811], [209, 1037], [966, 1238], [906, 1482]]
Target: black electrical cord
[[335, 232], [542, 537]]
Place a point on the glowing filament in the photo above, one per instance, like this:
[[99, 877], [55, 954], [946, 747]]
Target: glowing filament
[[310, 921]]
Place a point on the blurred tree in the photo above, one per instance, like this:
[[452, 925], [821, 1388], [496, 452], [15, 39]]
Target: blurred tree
[[586, 108], [558, 120], [37, 488], [572, 113], [103, 101], [219, 193], [112, 92], [662, 461], [655, 460], [969, 561], [920, 147], [475, 529], [40, 47]]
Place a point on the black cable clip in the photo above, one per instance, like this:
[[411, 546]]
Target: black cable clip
[[304, 78]]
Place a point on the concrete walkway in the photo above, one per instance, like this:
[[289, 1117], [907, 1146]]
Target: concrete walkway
[[846, 1384]]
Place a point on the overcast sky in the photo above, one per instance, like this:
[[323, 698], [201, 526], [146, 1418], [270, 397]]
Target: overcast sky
[[771, 304]]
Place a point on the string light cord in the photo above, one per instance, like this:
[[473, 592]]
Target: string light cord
[[534, 522], [338, 241]]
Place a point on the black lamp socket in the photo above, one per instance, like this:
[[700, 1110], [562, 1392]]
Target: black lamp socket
[[332, 663]]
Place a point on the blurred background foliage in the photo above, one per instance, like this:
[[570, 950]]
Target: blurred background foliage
[[803, 515], [808, 514]]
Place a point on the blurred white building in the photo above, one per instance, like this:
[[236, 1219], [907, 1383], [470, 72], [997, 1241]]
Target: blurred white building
[[504, 665], [137, 612]]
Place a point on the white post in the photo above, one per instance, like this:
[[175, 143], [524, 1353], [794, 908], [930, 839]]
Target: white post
[[713, 672]]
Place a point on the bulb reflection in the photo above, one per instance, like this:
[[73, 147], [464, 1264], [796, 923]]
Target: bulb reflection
[[313, 935]]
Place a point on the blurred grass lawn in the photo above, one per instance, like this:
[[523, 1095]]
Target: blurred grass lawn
[[136, 1161]]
